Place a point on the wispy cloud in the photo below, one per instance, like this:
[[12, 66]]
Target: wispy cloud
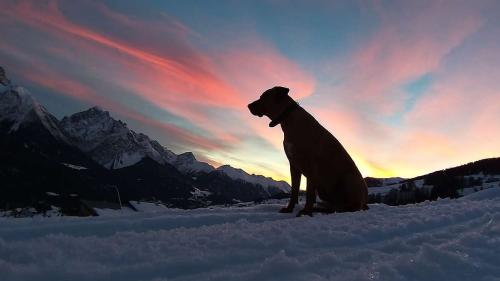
[[104, 57]]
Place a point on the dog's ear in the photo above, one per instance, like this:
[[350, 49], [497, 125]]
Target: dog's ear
[[281, 92]]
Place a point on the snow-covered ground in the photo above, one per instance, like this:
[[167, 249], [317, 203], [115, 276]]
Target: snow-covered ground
[[442, 240]]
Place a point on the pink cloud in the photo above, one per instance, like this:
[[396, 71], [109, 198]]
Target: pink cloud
[[253, 66], [155, 61], [412, 41], [463, 104], [41, 73], [67, 86], [202, 82]]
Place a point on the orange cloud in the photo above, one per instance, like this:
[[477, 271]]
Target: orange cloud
[[204, 84], [63, 84], [414, 39], [156, 63]]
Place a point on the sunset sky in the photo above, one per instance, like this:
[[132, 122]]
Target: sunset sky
[[408, 87]]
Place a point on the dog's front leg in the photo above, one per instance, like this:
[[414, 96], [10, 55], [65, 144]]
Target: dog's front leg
[[310, 199], [294, 198]]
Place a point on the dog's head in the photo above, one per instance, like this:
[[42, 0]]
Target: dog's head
[[271, 103]]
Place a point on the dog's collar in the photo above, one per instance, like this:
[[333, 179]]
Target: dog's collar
[[284, 114]]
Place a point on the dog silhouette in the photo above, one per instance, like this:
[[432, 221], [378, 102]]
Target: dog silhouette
[[315, 153]]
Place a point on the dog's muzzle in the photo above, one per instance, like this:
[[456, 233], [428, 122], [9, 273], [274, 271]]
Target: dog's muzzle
[[253, 107]]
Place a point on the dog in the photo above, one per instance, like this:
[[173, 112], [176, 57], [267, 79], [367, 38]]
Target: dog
[[314, 152]]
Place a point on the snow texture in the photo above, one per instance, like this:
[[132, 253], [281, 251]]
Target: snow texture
[[75, 167], [442, 240]]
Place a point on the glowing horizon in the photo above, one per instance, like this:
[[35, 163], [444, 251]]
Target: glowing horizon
[[408, 88]]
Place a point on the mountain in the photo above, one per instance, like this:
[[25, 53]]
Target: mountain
[[36, 155], [114, 145], [110, 142], [452, 182], [94, 155], [273, 187], [372, 182], [20, 111], [187, 163], [27, 125], [223, 189], [489, 166]]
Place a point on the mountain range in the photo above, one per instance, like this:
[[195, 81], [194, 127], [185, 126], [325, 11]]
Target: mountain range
[[92, 154]]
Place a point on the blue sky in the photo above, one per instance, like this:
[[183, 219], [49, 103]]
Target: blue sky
[[407, 87]]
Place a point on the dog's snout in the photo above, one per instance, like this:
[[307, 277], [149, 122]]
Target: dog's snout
[[254, 108]]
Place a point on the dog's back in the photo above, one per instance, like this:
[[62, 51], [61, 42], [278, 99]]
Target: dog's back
[[337, 178]]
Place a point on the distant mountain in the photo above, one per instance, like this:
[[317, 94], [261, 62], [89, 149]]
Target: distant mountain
[[21, 111], [110, 142], [26, 124], [224, 189], [452, 182], [93, 155], [272, 186], [187, 163], [34, 152], [489, 166], [372, 182]]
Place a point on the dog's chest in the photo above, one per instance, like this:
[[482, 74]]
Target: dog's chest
[[288, 149]]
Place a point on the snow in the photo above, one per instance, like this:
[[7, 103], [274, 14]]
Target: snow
[[490, 193], [441, 240], [75, 167], [383, 189], [148, 206], [198, 193], [113, 212]]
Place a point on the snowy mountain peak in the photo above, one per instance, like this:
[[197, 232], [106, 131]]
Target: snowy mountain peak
[[94, 114], [97, 109], [269, 183], [187, 156], [110, 142], [106, 140], [186, 162], [18, 108]]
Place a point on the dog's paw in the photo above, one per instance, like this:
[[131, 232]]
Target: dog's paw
[[286, 210], [306, 212]]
